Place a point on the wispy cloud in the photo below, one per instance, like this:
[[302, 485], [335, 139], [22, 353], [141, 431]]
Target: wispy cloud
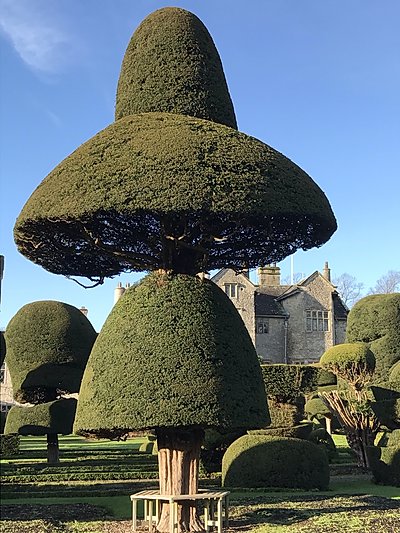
[[36, 38]]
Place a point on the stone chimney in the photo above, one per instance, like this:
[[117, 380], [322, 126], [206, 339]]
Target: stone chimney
[[118, 292], [84, 310], [269, 275], [327, 271]]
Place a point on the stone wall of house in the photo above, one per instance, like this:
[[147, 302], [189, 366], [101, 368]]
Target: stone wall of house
[[6, 391], [340, 331], [271, 346], [244, 299], [308, 345]]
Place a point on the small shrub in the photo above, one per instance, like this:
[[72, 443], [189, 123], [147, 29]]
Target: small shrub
[[355, 363], [301, 431], [264, 461], [286, 383], [9, 444], [326, 378], [322, 438], [285, 414], [385, 464]]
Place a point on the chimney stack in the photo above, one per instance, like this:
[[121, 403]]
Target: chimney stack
[[118, 292], [84, 310], [327, 271], [269, 275]]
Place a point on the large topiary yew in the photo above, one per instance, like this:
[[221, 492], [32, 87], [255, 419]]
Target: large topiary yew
[[172, 185], [48, 345]]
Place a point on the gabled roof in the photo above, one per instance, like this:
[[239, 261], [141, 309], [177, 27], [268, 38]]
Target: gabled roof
[[340, 309], [241, 278], [267, 305]]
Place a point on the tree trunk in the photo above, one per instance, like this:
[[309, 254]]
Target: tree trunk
[[178, 464], [52, 448]]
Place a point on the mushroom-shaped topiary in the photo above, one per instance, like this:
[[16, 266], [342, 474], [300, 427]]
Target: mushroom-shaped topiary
[[168, 190], [376, 320], [172, 185], [355, 363], [48, 345]]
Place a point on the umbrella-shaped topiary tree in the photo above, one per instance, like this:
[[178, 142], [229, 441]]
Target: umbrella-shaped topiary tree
[[48, 347], [172, 186]]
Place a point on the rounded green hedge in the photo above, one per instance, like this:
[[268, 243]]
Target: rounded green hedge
[[385, 464], [2, 348], [353, 362], [173, 352], [52, 417], [394, 377], [171, 64], [301, 431], [48, 344], [375, 319], [315, 408], [264, 461]]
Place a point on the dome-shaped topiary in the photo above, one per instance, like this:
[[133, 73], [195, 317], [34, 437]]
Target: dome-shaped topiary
[[174, 352], [316, 408], [375, 320], [355, 363], [43, 419], [48, 344], [264, 461], [394, 377], [171, 64]]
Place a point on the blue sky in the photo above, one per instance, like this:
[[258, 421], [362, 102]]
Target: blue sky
[[318, 81]]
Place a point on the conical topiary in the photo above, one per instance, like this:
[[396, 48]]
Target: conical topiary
[[171, 65], [191, 362]]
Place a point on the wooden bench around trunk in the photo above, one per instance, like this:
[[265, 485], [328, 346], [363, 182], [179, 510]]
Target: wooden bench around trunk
[[215, 508]]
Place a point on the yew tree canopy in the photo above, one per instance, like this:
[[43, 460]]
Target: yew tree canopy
[[190, 358], [171, 64], [170, 190]]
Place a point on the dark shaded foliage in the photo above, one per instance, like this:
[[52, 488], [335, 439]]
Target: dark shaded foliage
[[286, 383], [183, 357], [9, 445], [2, 348], [171, 65], [376, 320], [385, 464], [45, 418], [264, 461]]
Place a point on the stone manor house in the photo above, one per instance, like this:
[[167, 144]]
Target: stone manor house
[[287, 323]]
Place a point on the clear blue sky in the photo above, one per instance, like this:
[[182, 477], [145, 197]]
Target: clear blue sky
[[317, 80]]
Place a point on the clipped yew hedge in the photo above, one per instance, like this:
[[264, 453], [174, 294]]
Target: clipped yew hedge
[[9, 445], [286, 383], [173, 352], [50, 417], [385, 464], [171, 65], [263, 461], [375, 320]]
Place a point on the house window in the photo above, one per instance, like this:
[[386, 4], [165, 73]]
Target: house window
[[262, 325], [231, 289], [317, 320]]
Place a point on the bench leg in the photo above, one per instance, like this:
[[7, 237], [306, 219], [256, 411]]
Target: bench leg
[[134, 515]]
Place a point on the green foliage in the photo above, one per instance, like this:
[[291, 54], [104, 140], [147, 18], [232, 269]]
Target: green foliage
[[148, 182], [394, 438], [173, 352], [322, 438], [2, 348], [286, 383], [264, 461], [316, 408], [171, 65], [355, 363], [9, 445], [48, 344], [385, 464], [52, 417], [325, 378], [301, 431], [376, 320], [394, 377], [285, 414], [3, 416]]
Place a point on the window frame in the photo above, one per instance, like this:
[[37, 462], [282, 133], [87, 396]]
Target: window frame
[[316, 320]]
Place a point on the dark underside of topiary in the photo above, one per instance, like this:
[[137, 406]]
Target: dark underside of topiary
[[159, 190]]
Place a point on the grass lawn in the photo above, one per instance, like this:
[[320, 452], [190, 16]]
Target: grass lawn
[[353, 503]]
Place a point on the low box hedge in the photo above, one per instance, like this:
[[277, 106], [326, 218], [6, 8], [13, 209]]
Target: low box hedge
[[9, 445]]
